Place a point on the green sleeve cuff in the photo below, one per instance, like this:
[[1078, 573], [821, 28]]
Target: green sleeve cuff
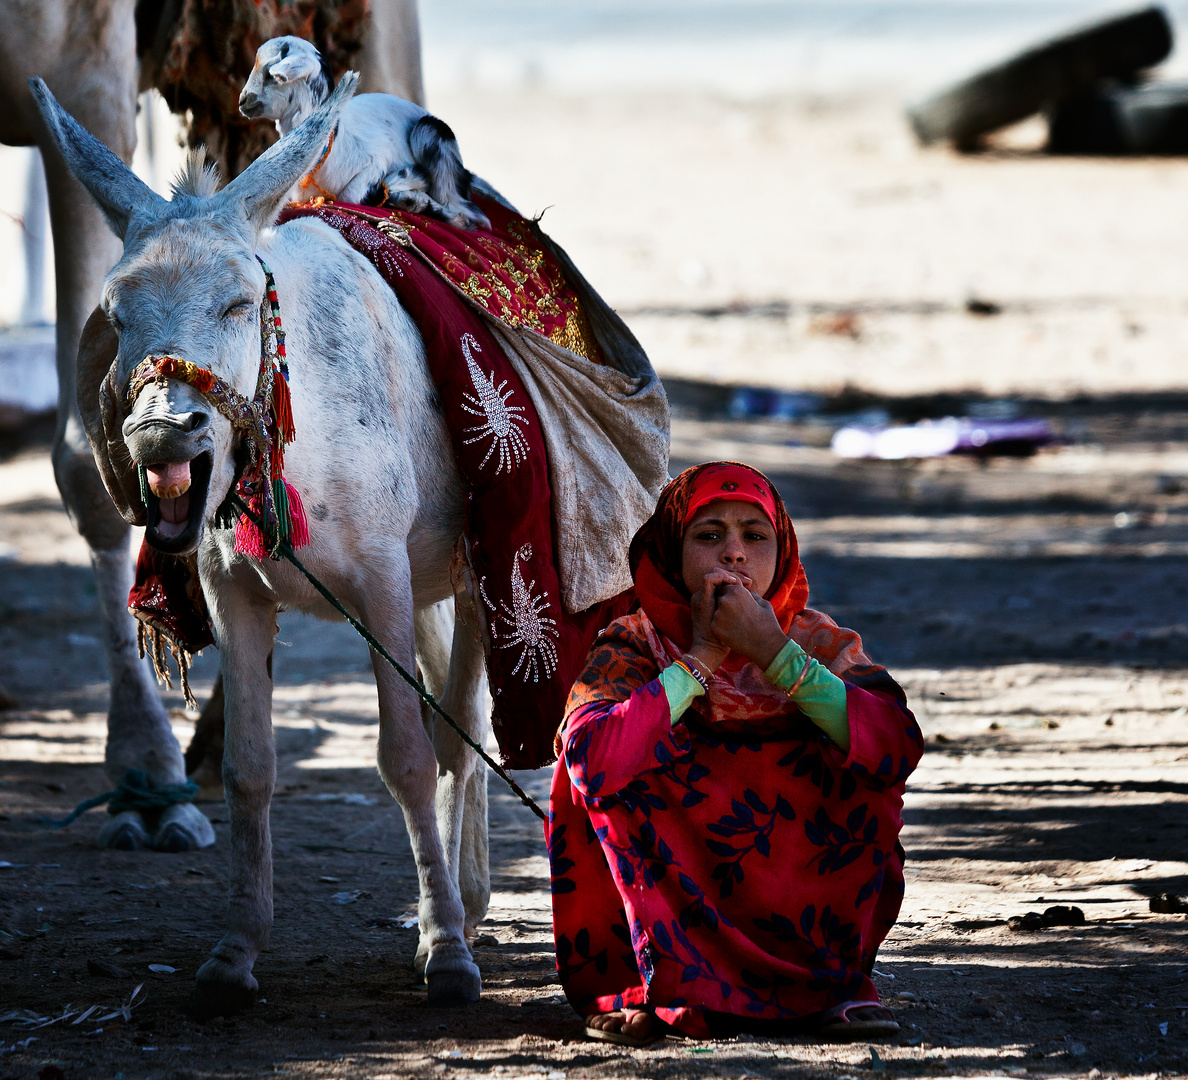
[[821, 695], [680, 688]]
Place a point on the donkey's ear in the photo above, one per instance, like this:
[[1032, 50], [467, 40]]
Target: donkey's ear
[[119, 192], [261, 188]]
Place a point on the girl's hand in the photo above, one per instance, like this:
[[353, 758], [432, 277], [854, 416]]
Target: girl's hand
[[746, 623], [707, 649]]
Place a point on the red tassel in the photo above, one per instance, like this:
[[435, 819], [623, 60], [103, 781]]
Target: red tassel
[[249, 540], [298, 522], [282, 409], [277, 459]]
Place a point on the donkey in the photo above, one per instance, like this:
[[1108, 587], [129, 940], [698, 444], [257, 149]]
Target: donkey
[[88, 53], [374, 463]]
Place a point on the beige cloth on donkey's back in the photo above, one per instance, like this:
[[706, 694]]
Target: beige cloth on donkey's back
[[606, 428], [605, 425]]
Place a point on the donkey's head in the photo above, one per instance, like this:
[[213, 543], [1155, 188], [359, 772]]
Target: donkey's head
[[189, 286]]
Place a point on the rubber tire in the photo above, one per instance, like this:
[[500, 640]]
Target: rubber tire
[[1151, 119], [1043, 77]]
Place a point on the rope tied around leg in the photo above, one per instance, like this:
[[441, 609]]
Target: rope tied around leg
[[135, 792]]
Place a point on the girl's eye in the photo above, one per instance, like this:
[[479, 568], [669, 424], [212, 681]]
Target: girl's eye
[[709, 534]]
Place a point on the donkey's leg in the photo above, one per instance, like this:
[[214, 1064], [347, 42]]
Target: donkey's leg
[[474, 866], [407, 765], [434, 626], [246, 627], [460, 695], [462, 775]]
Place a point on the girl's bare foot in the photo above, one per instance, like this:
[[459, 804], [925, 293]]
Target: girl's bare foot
[[633, 1023]]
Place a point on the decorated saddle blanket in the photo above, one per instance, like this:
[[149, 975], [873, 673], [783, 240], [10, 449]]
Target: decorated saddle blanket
[[494, 309]]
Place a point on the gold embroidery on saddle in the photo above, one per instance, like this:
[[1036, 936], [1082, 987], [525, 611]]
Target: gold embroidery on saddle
[[516, 282]]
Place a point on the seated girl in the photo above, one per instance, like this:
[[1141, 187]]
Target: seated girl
[[726, 808]]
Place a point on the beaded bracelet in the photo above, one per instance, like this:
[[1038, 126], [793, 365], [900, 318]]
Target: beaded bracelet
[[703, 682]]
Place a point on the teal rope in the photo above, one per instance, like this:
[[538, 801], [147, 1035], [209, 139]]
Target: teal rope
[[136, 792]]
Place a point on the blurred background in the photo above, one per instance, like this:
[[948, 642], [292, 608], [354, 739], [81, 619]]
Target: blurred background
[[754, 157]]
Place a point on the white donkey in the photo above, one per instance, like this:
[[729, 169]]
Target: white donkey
[[374, 463]]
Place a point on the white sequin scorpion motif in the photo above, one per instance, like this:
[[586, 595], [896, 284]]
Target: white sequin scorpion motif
[[501, 418], [527, 625]]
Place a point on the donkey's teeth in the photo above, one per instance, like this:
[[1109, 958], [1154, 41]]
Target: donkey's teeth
[[168, 481]]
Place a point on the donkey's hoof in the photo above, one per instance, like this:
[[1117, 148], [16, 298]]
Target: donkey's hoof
[[183, 828], [214, 997], [124, 832], [450, 988]]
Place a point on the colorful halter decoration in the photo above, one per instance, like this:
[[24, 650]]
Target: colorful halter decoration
[[265, 423]]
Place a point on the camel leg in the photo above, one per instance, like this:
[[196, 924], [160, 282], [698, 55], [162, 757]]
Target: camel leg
[[406, 762], [139, 735], [246, 626], [204, 755], [390, 60]]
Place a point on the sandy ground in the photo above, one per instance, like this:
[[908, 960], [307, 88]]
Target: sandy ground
[[1034, 609], [726, 230], [1043, 648]]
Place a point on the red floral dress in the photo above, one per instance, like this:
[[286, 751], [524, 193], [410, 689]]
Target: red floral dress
[[696, 873]]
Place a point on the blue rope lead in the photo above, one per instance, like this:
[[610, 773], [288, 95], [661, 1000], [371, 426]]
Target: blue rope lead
[[136, 792]]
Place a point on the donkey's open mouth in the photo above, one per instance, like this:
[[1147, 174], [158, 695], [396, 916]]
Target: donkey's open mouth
[[176, 502]]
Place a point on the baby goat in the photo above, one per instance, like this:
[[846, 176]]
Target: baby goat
[[383, 146]]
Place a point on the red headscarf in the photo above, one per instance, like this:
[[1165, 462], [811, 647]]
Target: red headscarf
[[636, 647], [656, 550]]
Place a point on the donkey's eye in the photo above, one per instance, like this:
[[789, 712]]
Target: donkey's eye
[[240, 307], [114, 319]]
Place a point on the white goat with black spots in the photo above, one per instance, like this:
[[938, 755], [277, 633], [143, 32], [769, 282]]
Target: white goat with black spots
[[384, 148]]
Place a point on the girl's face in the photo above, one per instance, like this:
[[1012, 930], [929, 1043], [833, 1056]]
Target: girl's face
[[733, 536]]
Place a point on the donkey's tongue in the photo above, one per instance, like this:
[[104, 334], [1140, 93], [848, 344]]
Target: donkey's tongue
[[168, 481]]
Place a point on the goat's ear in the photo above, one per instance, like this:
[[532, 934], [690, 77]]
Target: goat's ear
[[261, 188], [296, 66], [120, 193]]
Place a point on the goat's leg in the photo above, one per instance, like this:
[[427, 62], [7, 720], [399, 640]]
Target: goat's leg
[[246, 626], [406, 762], [413, 198]]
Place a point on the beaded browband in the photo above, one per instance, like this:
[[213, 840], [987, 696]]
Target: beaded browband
[[266, 422]]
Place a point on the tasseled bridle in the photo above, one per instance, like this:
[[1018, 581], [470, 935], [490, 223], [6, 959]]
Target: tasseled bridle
[[265, 423]]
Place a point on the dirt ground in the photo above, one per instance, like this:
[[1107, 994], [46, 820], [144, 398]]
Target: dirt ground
[[1035, 610]]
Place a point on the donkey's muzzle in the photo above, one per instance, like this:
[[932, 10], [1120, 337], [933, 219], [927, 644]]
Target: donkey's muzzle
[[174, 523]]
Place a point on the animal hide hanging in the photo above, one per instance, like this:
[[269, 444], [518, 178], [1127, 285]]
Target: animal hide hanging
[[199, 53]]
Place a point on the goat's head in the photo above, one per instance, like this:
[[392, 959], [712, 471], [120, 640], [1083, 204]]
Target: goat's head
[[188, 285], [288, 81]]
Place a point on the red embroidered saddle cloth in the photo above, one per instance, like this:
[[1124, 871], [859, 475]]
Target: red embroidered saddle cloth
[[451, 282]]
